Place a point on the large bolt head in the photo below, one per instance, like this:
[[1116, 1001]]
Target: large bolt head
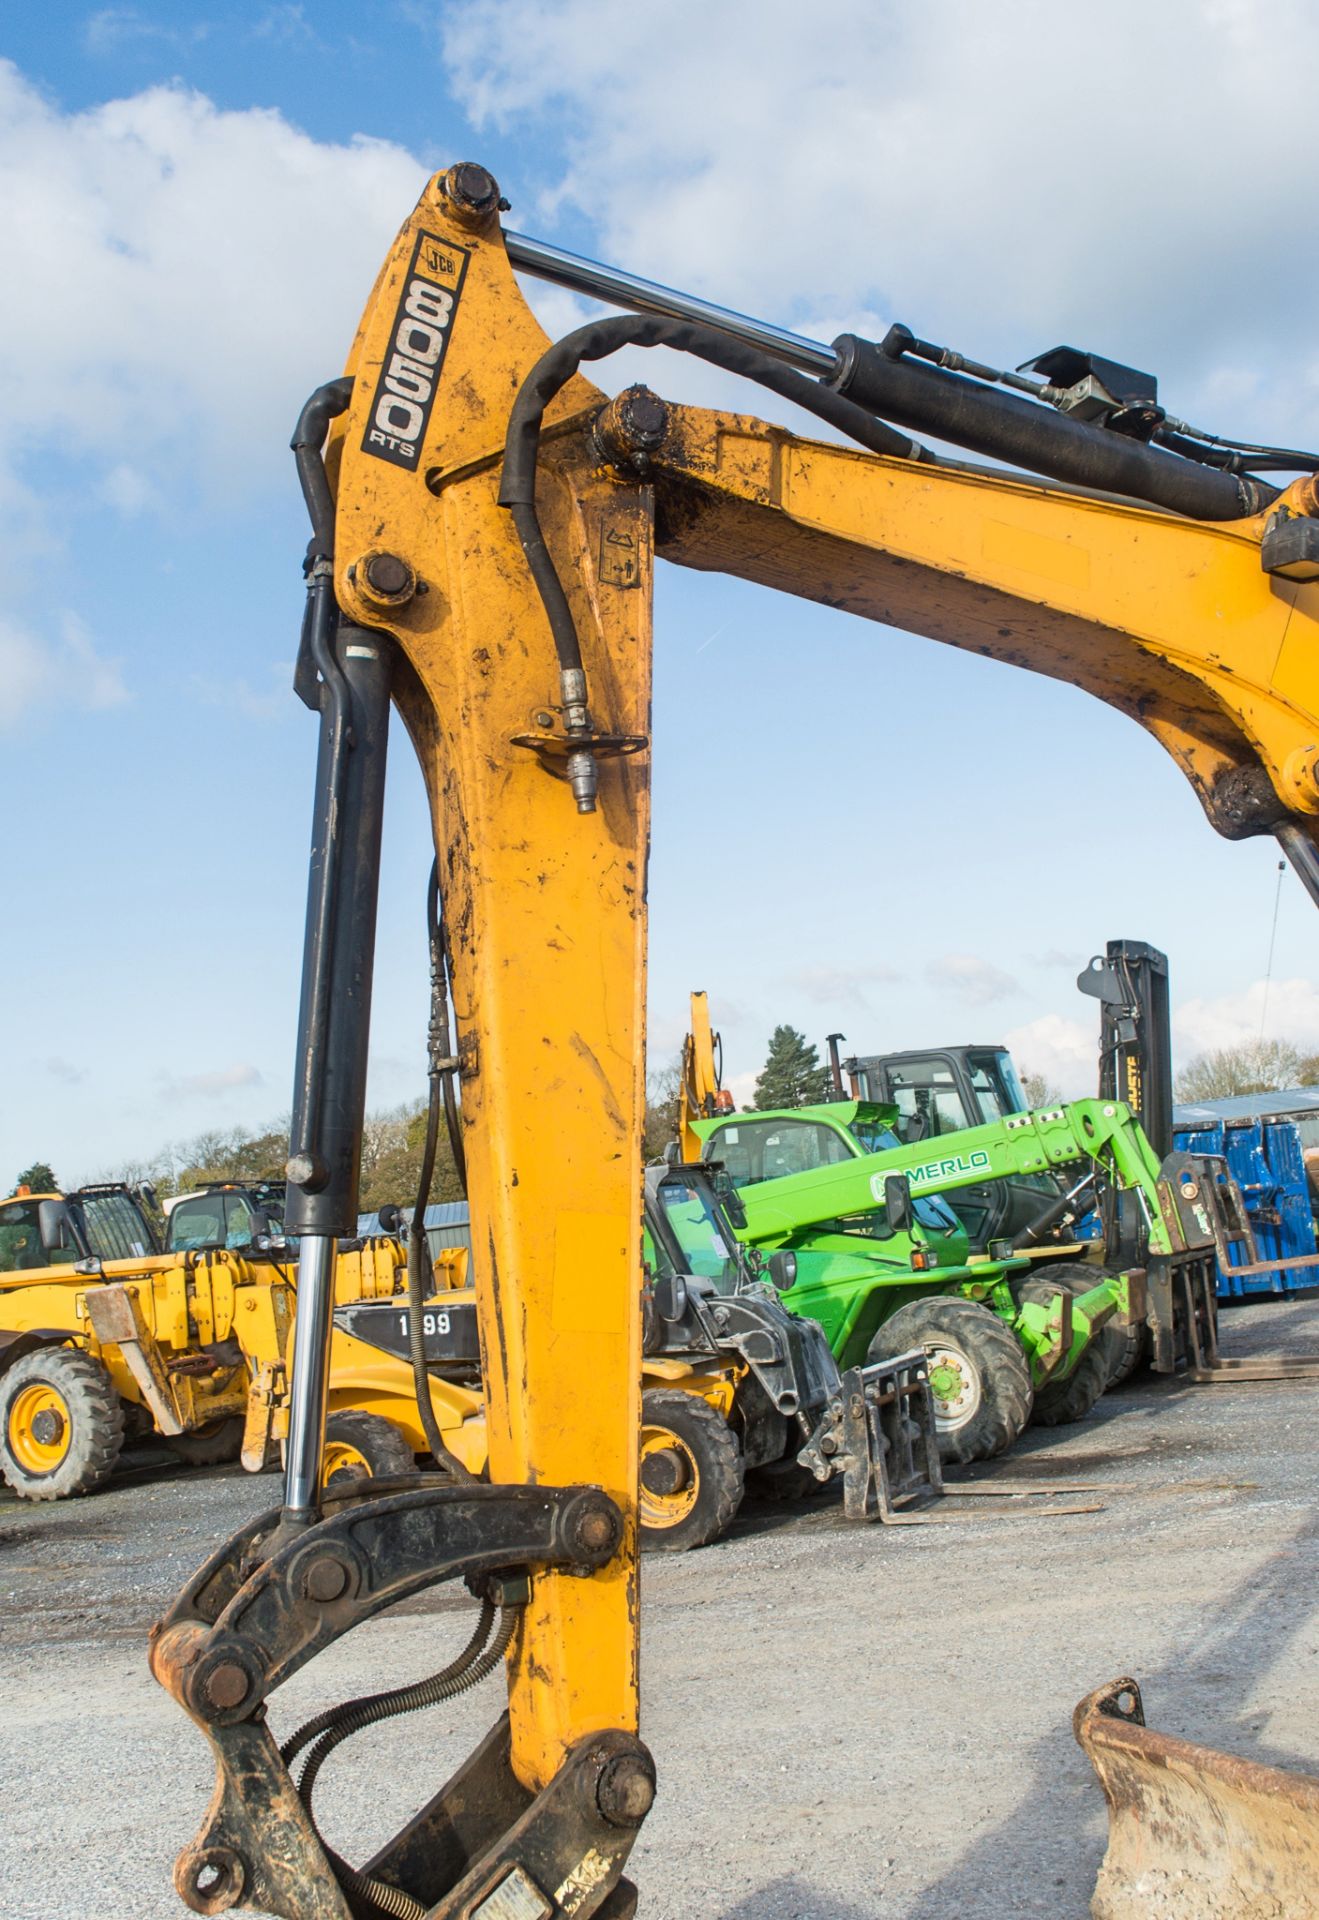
[[307, 1171], [388, 577], [226, 1685], [325, 1579], [643, 416], [633, 424], [625, 1791], [592, 1528], [471, 190]]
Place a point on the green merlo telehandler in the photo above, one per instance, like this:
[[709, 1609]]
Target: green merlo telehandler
[[1006, 1340]]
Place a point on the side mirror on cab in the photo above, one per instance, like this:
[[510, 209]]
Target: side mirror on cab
[[671, 1296], [897, 1203], [782, 1270], [55, 1225]]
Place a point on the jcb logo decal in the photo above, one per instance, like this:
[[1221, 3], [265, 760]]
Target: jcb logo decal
[[410, 372]]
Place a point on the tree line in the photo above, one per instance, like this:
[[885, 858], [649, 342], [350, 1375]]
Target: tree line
[[792, 1076]]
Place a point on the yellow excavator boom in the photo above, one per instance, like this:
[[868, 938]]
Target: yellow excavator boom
[[485, 525]]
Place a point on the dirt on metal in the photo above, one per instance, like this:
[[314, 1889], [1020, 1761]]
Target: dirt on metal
[[1195, 1834]]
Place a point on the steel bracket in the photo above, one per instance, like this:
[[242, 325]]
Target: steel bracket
[[485, 1846]]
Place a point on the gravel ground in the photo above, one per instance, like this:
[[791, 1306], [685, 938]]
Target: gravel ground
[[847, 1721]]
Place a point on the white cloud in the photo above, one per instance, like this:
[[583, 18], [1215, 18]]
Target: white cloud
[[1006, 177], [1284, 1010], [841, 987], [23, 672], [742, 1086], [973, 981], [221, 1080], [177, 279], [111, 29], [127, 490], [65, 1071], [1065, 1052], [36, 670]]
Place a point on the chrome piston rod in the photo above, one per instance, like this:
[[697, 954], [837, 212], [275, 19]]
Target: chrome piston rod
[[312, 1332], [619, 289]]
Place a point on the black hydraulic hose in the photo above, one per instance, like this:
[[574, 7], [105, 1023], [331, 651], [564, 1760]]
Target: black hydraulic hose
[[441, 1056], [1233, 459], [1004, 426], [312, 1731], [326, 404], [421, 1270], [330, 1729], [517, 490]]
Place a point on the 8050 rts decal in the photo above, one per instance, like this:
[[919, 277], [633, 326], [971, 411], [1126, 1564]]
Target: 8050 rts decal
[[410, 371]]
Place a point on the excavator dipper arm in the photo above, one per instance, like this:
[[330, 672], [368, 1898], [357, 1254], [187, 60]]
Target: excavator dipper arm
[[544, 902]]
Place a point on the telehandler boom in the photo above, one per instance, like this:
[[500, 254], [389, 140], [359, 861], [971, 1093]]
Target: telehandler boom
[[484, 528]]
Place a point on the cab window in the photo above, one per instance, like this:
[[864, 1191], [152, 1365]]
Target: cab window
[[700, 1233], [655, 1256], [753, 1150], [197, 1223], [926, 1090], [20, 1240], [114, 1227]]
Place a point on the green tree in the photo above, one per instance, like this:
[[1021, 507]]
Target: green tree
[[39, 1177], [1255, 1066], [792, 1075]]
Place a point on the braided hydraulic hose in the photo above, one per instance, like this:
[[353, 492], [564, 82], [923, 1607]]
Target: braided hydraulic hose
[[421, 1272], [328, 1730]]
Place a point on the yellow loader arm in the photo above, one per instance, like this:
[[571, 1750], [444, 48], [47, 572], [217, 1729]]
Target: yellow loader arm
[[698, 1085], [484, 526]]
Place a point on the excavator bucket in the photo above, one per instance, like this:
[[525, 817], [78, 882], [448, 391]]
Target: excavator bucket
[[1194, 1834]]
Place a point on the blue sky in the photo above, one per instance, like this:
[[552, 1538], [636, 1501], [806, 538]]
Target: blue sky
[[193, 203]]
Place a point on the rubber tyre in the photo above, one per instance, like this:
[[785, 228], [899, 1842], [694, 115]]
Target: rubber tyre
[[991, 1360], [699, 1511], [784, 1481], [214, 1445], [92, 1416], [1133, 1349], [1062, 1403], [361, 1446]]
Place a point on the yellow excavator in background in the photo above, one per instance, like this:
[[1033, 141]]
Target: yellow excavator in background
[[485, 523], [700, 1094]]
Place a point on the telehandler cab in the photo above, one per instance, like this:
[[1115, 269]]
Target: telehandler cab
[[484, 528]]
